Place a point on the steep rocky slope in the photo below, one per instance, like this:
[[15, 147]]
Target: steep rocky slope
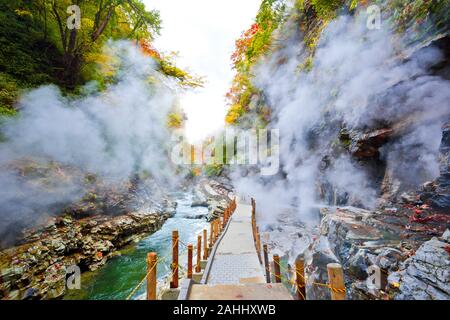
[[363, 114]]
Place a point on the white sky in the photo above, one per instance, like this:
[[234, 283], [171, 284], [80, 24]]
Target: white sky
[[204, 33]]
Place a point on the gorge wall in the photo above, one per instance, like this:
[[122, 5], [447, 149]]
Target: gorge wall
[[364, 115]]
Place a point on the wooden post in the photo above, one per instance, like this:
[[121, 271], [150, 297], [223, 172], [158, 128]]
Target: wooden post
[[225, 214], [258, 243], [211, 232], [336, 281], [276, 267], [198, 267], [266, 263], [189, 266], [205, 244], [300, 278], [151, 275], [258, 239], [174, 282]]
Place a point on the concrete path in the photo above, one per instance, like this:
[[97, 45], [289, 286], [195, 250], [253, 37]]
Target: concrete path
[[235, 260], [257, 291], [234, 271]]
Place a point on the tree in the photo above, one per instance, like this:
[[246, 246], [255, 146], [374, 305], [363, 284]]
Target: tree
[[116, 18]]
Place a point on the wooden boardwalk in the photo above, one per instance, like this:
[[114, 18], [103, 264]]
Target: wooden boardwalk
[[234, 271]]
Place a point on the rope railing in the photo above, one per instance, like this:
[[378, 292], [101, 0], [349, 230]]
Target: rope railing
[[305, 279], [203, 247], [335, 273], [136, 288]]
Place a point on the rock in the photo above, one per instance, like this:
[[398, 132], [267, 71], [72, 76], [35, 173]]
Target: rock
[[429, 186], [58, 245], [199, 203], [424, 276], [346, 227], [196, 216], [367, 145], [316, 259], [54, 284], [408, 197], [359, 290], [389, 258], [212, 194], [216, 208], [36, 269], [446, 236], [358, 263]]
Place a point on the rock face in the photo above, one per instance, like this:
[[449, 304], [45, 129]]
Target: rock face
[[388, 239], [213, 194], [437, 193], [385, 221], [426, 275], [37, 268]]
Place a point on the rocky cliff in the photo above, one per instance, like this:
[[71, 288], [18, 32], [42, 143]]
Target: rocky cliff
[[36, 269]]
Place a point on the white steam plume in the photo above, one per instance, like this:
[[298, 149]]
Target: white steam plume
[[360, 80], [113, 133]]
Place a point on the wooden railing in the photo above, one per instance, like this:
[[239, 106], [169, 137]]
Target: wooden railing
[[336, 283], [203, 250]]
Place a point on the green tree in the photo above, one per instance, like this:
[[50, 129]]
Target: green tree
[[100, 19]]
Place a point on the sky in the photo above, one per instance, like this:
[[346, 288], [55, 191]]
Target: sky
[[204, 33]]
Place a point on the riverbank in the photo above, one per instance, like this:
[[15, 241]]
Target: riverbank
[[120, 275], [36, 268], [408, 240]]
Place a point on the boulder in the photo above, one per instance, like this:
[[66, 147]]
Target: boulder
[[367, 145], [317, 256], [36, 269], [347, 227], [425, 275]]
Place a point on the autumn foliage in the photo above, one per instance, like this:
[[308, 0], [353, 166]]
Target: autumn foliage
[[243, 44], [148, 49]]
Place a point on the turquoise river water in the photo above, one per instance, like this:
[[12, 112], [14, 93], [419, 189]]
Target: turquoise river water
[[117, 279]]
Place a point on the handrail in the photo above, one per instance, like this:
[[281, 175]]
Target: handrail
[[218, 229]]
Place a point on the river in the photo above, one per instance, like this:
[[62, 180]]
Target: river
[[117, 279]]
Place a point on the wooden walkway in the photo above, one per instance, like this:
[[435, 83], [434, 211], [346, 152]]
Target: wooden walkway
[[234, 271]]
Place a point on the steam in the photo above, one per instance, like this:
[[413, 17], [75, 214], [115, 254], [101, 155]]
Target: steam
[[113, 134], [361, 80]]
